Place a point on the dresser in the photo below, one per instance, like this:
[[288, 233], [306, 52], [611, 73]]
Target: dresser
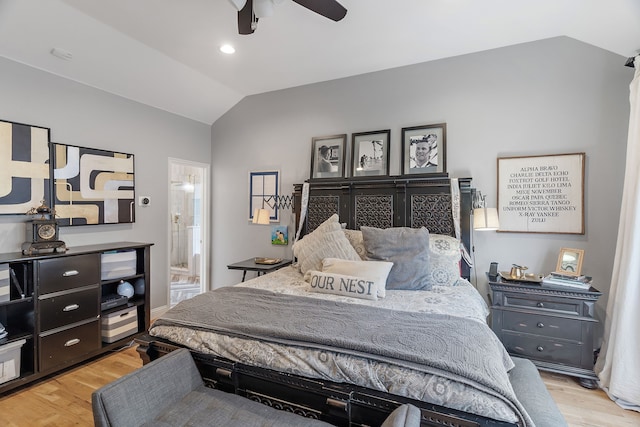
[[553, 327], [51, 306]]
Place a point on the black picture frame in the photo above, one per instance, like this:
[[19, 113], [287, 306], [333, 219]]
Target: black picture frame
[[92, 186], [328, 156], [425, 138], [25, 177], [370, 153]]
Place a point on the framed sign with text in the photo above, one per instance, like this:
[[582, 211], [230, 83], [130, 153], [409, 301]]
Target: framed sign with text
[[541, 194]]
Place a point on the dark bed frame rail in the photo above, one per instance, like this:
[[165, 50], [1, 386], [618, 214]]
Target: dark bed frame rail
[[343, 405]]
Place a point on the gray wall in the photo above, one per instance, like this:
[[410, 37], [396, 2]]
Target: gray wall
[[84, 116], [547, 97]]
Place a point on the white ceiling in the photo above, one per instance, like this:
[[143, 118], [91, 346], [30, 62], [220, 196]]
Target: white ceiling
[[164, 53]]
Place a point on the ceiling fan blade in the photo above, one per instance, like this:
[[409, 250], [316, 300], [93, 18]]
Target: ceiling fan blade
[[245, 18], [328, 8]]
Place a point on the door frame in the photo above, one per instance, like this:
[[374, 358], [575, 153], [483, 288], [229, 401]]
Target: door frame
[[205, 264]]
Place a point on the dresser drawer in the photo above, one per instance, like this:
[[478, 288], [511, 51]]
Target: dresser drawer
[[538, 324], [68, 308], [541, 348], [548, 304], [68, 345], [59, 274]]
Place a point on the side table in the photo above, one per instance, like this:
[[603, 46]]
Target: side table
[[251, 265], [553, 327]]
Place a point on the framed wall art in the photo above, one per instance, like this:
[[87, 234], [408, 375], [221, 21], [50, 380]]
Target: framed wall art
[[24, 167], [541, 194], [570, 262], [328, 156], [92, 186], [264, 188], [370, 153], [424, 150], [279, 235]]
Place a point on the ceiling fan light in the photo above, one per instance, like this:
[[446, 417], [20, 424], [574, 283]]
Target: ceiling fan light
[[238, 4], [262, 8]]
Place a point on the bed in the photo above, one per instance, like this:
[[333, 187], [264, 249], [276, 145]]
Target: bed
[[375, 313]]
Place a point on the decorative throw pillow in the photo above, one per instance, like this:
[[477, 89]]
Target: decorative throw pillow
[[355, 238], [407, 248], [372, 270], [341, 284], [444, 260], [326, 241]]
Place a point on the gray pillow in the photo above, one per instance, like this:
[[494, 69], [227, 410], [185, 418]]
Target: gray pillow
[[407, 249]]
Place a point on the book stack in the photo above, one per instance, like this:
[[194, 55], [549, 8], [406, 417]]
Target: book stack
[[565, 281]]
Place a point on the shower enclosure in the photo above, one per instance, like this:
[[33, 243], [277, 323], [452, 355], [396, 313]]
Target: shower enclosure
[[187, 215]]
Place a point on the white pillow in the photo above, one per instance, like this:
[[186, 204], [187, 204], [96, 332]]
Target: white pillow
[[355, 238], [341, 284], [326, 241], [444, 260], [372, 270]]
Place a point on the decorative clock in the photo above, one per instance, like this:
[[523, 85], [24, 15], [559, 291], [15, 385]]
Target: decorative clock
[[42, 233]]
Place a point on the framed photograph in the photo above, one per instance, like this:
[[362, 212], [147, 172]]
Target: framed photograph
[[279, 235], [327, 156], [92, 186], [541, 194], [25, 180], [370, 153], [570, 262], [424, 150]]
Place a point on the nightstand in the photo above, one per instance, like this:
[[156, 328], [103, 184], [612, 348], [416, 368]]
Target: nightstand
[[552, 327], [251, 265]]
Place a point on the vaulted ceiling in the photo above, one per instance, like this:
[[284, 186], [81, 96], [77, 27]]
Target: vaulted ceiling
[[164, 53]]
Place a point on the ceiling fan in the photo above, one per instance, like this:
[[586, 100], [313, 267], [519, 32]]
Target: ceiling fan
[[250, 10]]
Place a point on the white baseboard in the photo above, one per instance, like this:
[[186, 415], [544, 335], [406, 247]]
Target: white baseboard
[[159, 311]]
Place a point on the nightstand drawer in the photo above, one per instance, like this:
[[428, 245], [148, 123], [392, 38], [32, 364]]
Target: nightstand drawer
[[70, 272], [548, 304], [69, 345], [539, 348], [69, 308], [537, 324]]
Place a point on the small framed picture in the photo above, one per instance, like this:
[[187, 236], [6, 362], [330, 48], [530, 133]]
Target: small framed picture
[[327, 156], [279, 235], [570, 261], [370, 153], [424, 150]]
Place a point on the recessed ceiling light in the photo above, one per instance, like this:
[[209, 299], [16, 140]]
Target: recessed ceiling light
[[227, 48]]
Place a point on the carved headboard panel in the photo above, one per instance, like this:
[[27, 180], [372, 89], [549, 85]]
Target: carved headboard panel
[[389, 202]]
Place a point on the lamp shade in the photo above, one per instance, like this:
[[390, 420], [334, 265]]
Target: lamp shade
[[485, 219], [238, 4], [261, 216]]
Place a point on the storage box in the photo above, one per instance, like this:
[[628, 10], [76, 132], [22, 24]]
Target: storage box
[[116, 265], [119, 324], [10, 360], [5, 291]]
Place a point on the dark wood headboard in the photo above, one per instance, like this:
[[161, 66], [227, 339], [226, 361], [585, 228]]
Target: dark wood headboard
[[389, 202]]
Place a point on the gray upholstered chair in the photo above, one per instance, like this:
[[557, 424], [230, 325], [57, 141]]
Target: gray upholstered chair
[[170, 392]]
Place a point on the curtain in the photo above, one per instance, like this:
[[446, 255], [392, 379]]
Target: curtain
[[618, 364]]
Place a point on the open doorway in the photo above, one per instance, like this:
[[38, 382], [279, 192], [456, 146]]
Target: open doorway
[[188, 224]]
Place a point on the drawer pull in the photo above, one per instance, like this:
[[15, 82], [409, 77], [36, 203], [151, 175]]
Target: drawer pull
[[540, 325], [72, 342], [71, 307], [540, 348], [540, 304], [70, 273]]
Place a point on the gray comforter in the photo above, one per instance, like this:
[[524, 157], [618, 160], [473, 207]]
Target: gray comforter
[[452, 347]]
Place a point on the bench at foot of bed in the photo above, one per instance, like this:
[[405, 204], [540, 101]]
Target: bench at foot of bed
[[170, 392]]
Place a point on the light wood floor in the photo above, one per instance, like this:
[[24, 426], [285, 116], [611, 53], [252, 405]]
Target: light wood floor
[[65, 399]]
